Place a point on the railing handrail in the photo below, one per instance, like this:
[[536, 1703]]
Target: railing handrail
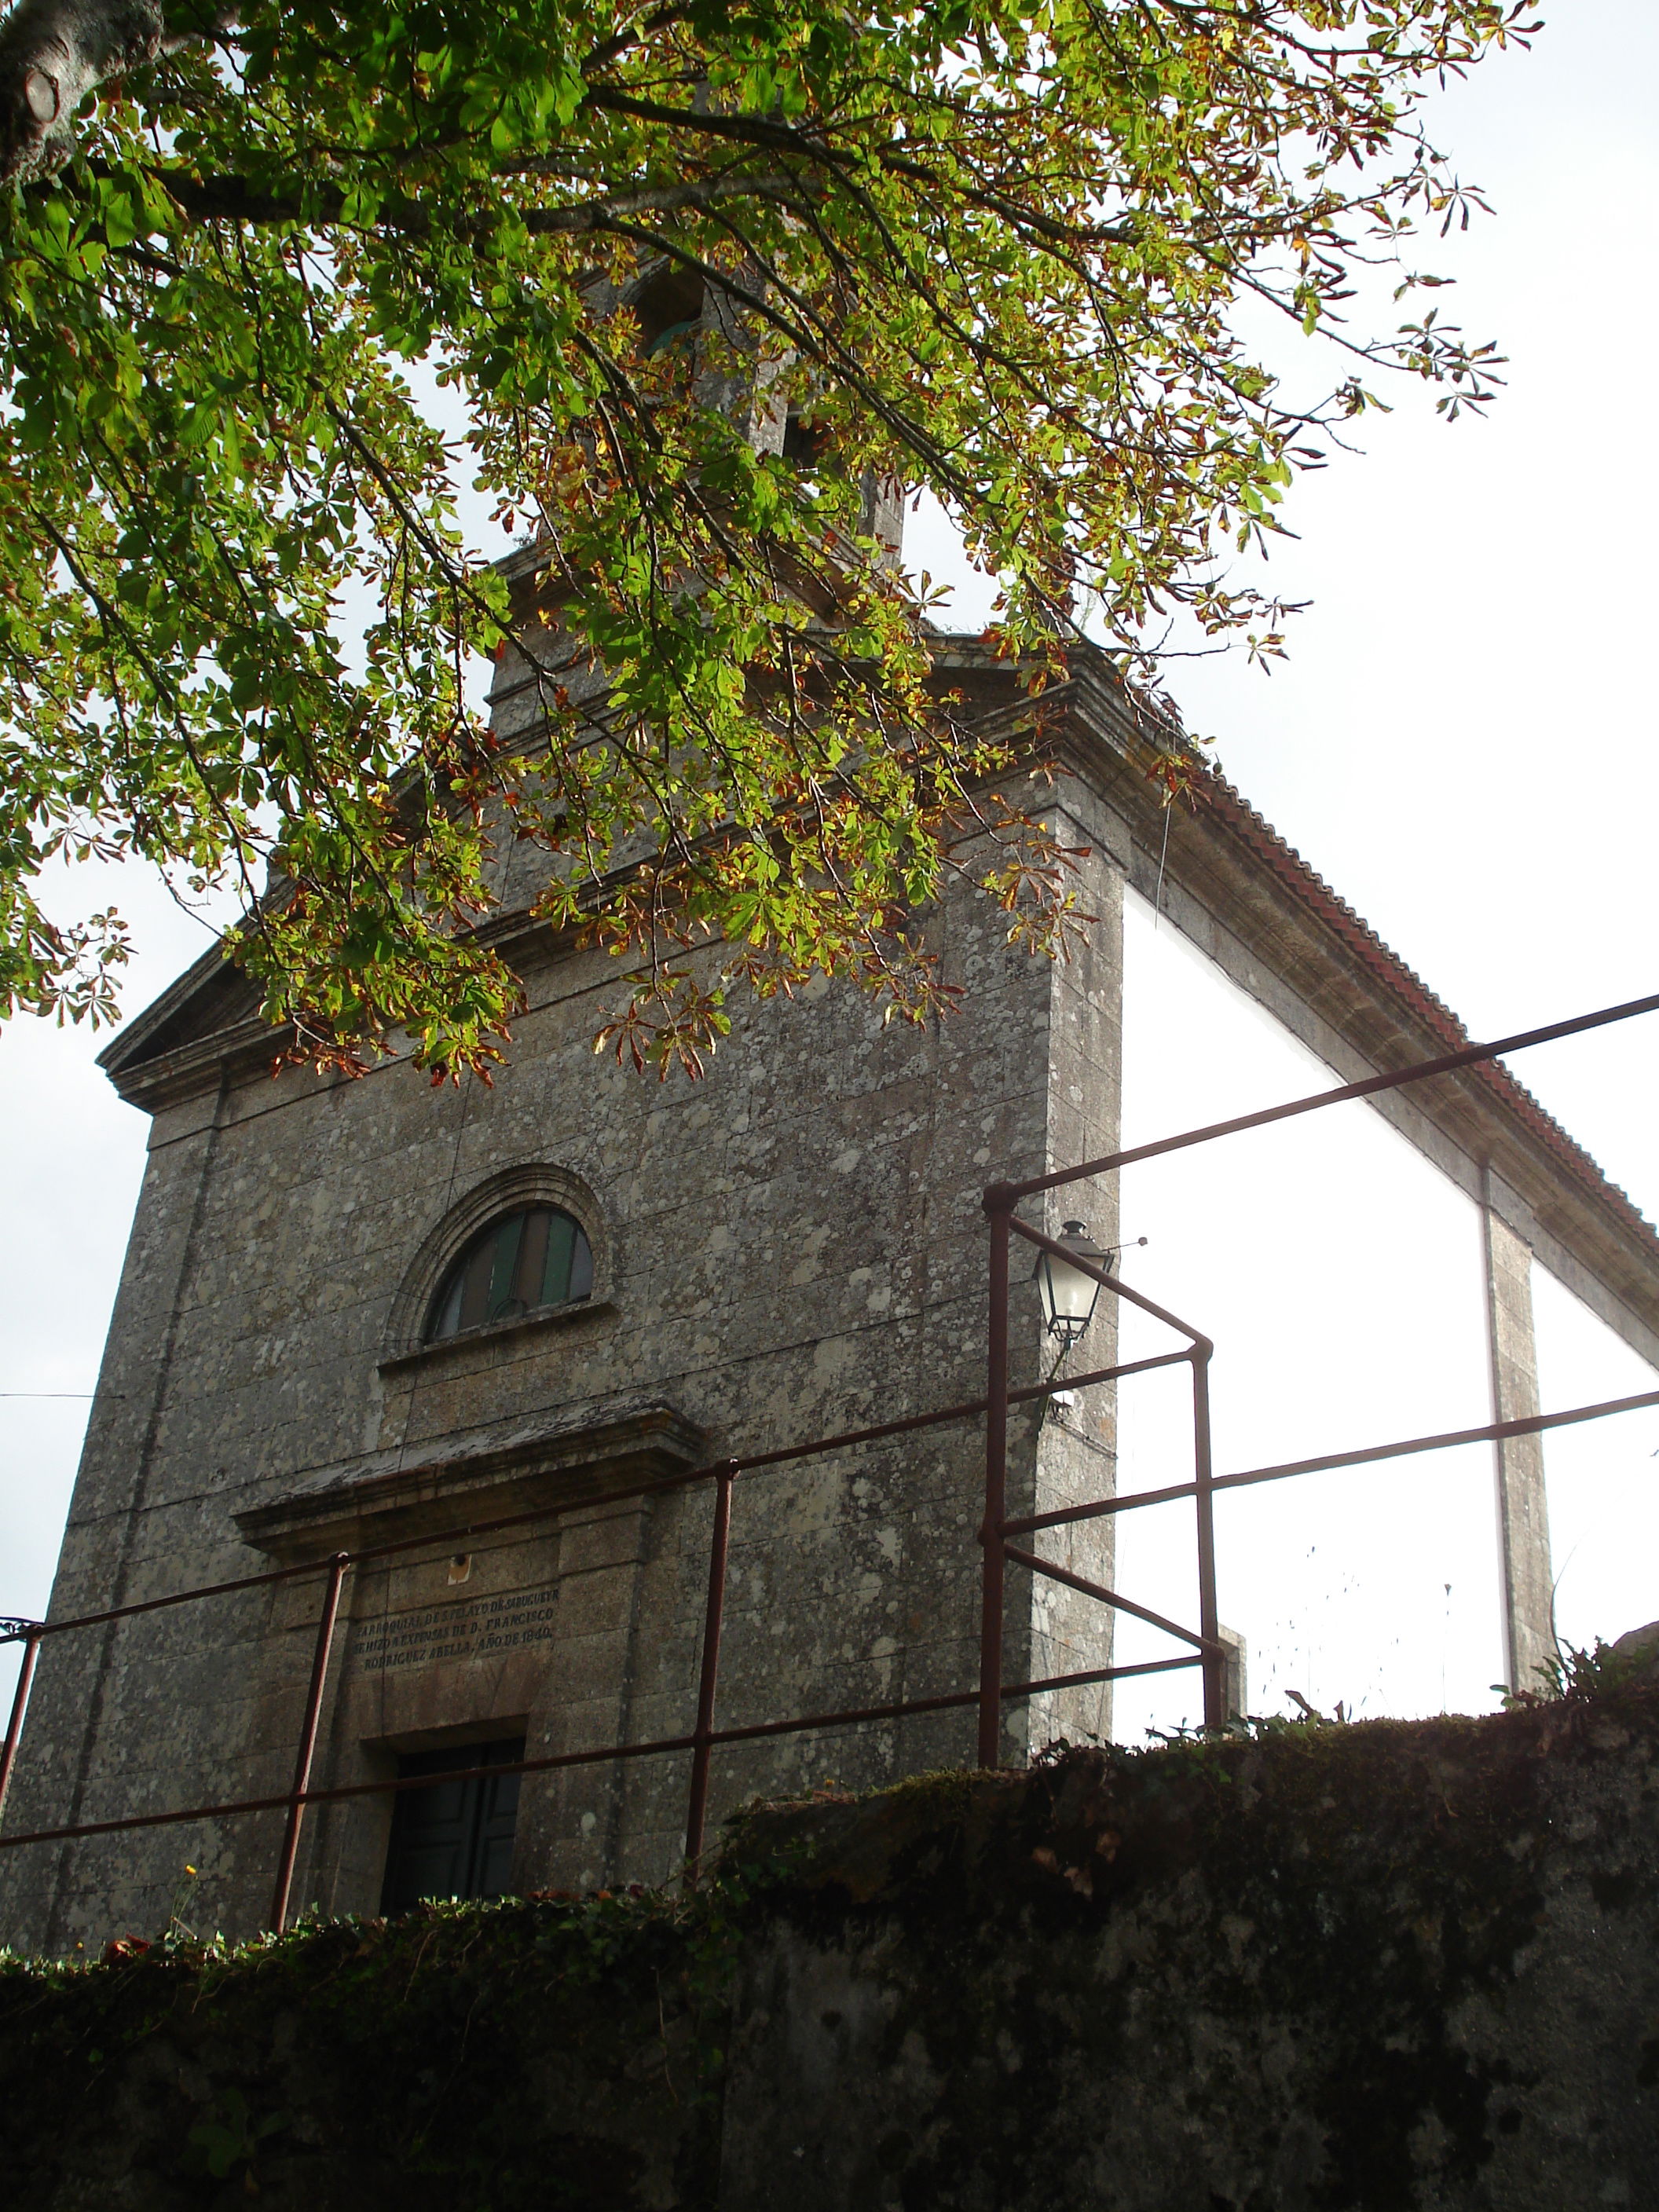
[[1367, 1087], [710, 1470]]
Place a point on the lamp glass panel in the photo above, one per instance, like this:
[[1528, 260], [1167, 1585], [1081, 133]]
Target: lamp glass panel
[[1074, 1293]]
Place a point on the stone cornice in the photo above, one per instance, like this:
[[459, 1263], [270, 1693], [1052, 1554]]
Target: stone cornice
[[546, 1461], [167, 1079]]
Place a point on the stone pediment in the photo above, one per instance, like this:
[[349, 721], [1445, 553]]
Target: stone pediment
[[176, 1045], [541, 1463]]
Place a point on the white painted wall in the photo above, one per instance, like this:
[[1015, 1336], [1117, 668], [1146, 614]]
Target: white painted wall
[[1339, 1275]]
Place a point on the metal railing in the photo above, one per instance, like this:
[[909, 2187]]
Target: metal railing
[[998, 1532], [701, 1741], [1000, 1201]]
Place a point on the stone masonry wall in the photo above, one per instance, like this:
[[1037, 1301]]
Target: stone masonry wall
[[792, 1247], [1394, 1967]]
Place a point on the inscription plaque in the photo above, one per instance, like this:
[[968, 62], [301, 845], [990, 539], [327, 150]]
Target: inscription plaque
[[468, 1628]]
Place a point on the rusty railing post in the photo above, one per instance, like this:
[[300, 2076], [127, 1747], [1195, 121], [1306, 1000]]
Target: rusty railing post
[[999, 1206], [720, 1546], [19, 1703], [1215, 1663], [279, 1899]]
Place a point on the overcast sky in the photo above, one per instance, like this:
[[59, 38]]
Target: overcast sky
[[1463, 742]]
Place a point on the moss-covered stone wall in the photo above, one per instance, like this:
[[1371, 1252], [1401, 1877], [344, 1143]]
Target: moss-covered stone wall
[[1346, 1969]]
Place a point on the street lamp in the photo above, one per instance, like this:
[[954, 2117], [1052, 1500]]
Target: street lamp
[[1068, 1295]]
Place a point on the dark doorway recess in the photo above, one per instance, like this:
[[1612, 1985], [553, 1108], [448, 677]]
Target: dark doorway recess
[[454, 1839]]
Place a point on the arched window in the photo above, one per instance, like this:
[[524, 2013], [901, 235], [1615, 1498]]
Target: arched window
[[538, 1256], [669, 309]]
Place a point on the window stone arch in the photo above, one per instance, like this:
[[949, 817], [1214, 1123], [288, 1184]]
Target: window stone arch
[[531, 1183]]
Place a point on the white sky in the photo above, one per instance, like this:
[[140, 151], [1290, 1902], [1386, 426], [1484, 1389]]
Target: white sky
[[1461, 743]]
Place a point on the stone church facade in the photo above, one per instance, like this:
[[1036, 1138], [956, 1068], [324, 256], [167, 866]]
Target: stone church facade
[[355, 1311]]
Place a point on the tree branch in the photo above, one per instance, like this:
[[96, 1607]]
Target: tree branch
[[233, 199], [53, 53]]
